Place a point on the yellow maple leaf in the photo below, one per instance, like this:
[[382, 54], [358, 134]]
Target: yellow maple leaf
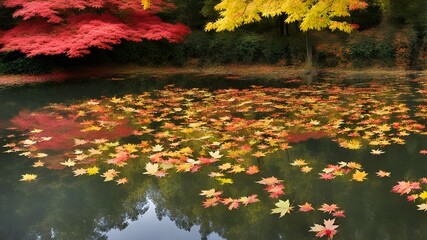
[[28, 177], [423, 195], [92, 170], [359, 176]]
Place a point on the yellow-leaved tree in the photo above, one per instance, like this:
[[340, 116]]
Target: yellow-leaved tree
[[311, 14]]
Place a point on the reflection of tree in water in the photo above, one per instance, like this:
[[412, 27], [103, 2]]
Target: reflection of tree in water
[[103, 207], [63, 208]]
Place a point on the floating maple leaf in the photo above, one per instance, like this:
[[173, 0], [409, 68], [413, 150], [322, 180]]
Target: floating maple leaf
[[157, 148], [306, 169], [377, 151], [92, 170], [250, 199], [122, 181], [422, 207], [283, 207], [328, 229], [382, 174], [210, 193], [110, 174], [299, 162], [339, 213], [38, 164], [79, 172], [405, 187], [151, 168], [252, 170], [269, 181], [211, 202], [306, 207], [215, 154], [28, 177], [326, 208], [359, 176], [68, 163], [275, 190]]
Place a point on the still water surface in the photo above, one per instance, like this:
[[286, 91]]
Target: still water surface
[[255, 122]]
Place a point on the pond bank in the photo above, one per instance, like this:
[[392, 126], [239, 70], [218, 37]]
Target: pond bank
[[232, 71]]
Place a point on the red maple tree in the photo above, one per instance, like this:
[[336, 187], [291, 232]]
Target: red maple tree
[[52, 27]]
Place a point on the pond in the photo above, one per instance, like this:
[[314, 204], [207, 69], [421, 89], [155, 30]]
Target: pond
[[214, 157]]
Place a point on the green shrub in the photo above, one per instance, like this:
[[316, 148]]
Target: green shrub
[[385, 53], [276, 49], [221, 47], [248, 48], [363, 49], [297, 49], [23, 65]]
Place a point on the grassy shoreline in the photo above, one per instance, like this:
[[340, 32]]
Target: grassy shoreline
[[233, 71]]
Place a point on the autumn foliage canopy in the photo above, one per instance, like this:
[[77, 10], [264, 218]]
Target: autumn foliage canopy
[[53, 27]]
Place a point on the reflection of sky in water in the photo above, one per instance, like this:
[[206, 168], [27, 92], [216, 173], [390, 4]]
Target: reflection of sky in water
[[148, 226]]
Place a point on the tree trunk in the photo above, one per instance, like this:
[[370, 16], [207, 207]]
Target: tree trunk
[[309, 47]]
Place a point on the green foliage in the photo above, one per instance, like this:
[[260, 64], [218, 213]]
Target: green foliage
[[248, 48], [275, 49], [221, 47], [196, 45], [240, 47], [386, 53], [15, 63], [364, 48]]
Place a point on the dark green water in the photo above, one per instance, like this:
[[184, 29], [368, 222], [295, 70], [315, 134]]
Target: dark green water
[[231, 114]]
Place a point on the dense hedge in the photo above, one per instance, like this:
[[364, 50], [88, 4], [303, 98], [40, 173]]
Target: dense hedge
[[399, 47]]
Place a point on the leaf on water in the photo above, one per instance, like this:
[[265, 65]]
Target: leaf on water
[[252, 170], [225, 166], [92, 170], [340, 213], [28, 177], [210, 193], [38, 164], [248, 200], [215, 154], [377, 151], [122, 181], [79, 172], [283, 207], [275, 190], [328, 208], [68, 163], [306, 207], [359, 176], [422, 207], [328, 229], [299, 162], [234, 204], [269, 181], [382, 174], [423, 195], [109, 175], [306, 169], [223, 181], [211, 202], [151, 168], [157, 148]]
